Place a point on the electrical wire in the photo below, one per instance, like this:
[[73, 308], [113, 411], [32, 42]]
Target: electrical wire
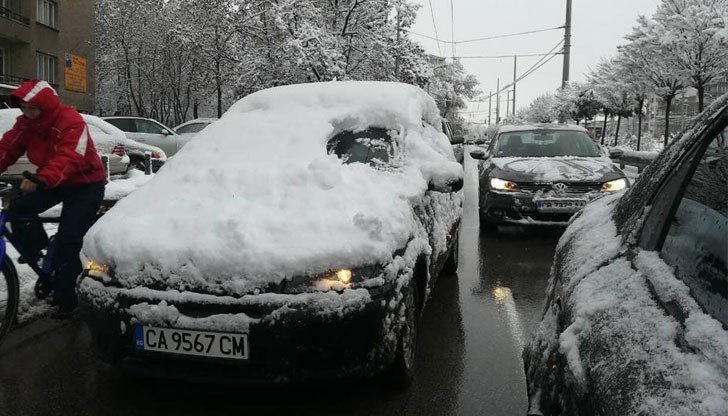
[[485, 38], [506, 56], [432, 13]]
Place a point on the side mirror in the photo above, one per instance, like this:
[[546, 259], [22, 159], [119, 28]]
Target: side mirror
[[479, 154], [480, 141], [448, 187], [457, 140], [615, 153]]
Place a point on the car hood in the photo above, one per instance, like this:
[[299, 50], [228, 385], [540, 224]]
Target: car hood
[[257, 199], [554, 169]]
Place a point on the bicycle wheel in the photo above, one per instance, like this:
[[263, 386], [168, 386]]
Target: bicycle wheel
[[9, 296]]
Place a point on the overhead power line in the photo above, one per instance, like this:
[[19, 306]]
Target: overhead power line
[[437, 37], [507, 56], [484, 38]]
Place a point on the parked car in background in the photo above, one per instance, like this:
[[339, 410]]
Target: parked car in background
[[457, 142], [637, 303], [151, 132], [317, 266], [107, 140], [541, 174], [193, 127]]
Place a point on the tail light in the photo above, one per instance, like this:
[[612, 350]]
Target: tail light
[[156, 154], [119, 150]]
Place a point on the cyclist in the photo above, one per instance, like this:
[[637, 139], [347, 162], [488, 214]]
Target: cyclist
[[56, 140]]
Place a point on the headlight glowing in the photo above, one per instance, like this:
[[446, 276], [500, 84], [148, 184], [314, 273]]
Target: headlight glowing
[[95, 269], [344, 276], [502, 185], [615, 185]]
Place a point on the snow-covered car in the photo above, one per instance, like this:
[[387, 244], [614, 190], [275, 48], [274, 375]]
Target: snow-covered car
[[299, 235], [192, 127], [637, 303], [457, 142], [541, 174], [150, 132]]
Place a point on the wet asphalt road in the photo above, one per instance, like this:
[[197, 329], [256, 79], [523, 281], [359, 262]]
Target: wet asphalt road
[[468, 358]]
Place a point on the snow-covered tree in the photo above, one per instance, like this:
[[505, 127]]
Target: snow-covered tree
[[542, 109], [450, 86]]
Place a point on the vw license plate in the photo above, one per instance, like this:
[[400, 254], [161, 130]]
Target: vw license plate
[[559, 206], [183, 341]]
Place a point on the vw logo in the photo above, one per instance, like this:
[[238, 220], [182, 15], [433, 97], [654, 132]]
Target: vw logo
[[559, 187]]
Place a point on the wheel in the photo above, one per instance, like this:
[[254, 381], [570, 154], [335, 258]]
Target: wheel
[[451, 264], [402, 369], [9, 296]]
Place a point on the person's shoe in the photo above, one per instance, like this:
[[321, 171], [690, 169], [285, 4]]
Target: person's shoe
[[66, 311]]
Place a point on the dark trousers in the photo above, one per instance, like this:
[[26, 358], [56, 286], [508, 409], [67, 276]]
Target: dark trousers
[[80, 208]]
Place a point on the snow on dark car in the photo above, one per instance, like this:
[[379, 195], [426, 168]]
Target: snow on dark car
[[637, 308], [541, 174], [300, 236]]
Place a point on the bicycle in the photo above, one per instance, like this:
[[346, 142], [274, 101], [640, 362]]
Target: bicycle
[[9, 281]]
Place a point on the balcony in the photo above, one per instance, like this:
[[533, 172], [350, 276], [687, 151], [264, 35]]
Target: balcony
[[11, 15]]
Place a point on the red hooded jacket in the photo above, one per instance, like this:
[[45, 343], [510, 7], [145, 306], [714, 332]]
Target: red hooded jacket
[[58, 142]]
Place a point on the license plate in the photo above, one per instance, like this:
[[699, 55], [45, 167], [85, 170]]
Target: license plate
[[187, 342], [559, 206]]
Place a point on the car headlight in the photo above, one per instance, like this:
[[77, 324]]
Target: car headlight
[[501, 185], [97, 271], [337, 279], [615, 185]]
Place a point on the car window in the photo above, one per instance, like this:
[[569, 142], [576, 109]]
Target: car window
[[124, 124], [373, 146], [447, 130], [191, 128], [146, 126], [696, 245], [545, 143]]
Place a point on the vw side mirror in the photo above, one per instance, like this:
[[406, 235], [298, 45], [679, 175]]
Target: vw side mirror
[[479, 154]]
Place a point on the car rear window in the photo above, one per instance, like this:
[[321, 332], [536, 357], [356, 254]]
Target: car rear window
[[373, 146], [545, 143], [191, 128]]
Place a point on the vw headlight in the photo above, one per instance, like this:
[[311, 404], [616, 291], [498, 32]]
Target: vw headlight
[[501, 185], [97, 270], [337, 279], [615, 185]]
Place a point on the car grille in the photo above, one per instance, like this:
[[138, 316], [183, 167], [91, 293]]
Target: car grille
[[571, 188]]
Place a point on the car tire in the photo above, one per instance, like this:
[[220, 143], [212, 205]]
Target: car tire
[[401, 371], [451, 264]]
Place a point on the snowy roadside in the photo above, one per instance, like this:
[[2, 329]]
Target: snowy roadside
[[32, 308]]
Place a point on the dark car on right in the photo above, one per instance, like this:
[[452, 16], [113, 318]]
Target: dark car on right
[[542, 175], [636, 314]]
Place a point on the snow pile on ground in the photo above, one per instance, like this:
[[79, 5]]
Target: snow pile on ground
[[122, 185], [257, 197]]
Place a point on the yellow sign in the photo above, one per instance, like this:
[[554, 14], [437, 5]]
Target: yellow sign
[[75, 73]]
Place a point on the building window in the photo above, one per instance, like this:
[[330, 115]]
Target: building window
[[46, 12], [2, 61], [46, 67]]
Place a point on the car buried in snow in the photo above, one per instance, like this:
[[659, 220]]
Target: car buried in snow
[[541, 175], [297, 239], [637, 302]]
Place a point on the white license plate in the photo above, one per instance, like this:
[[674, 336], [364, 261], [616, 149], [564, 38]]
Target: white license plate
[[184, 341], [559, 206]]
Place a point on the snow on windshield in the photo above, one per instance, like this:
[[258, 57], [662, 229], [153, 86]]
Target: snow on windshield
[[259, 198]]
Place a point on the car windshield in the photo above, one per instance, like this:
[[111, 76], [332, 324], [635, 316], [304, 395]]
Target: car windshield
[[545, 143], [373, 146]]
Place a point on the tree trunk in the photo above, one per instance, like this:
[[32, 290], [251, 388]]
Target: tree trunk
[[604, 127], [616, 134], [639, 130], [668, 103], [701, 97], [195, 107]]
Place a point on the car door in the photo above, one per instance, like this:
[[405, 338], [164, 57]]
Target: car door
[[155, 134]]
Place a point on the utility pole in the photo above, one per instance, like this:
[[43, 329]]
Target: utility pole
[[508, 102], [515, 57], [497, 102], [490, 101], [567, 45]]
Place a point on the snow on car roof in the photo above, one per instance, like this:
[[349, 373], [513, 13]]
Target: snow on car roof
[[525, 127], [258, 197]]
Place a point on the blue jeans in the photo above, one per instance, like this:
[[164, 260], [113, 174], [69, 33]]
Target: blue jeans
[[80, 211]]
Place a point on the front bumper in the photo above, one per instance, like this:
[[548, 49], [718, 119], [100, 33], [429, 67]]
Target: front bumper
[[290, 340], [520, 208]]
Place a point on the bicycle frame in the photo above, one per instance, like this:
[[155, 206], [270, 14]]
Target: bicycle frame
[[5, 232]]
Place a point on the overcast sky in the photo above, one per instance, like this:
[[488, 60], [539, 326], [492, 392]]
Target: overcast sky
[[598, 26]]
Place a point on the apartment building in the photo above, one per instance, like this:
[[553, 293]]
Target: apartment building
[[52, 40]]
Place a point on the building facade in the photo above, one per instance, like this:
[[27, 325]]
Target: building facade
[[52, 40]]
